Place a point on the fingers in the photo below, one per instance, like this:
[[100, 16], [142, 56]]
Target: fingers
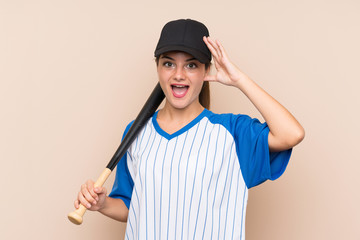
[[82, 200], [76, 203], [89, 195], [100, 190], [88, 192], [90, 188], [218, 48], [227, 72], [212, 47], [215, 48]]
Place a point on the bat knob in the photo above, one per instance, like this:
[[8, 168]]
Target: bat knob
[[76, 216]]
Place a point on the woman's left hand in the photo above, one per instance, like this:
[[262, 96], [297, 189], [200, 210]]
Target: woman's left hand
[[227, 73]]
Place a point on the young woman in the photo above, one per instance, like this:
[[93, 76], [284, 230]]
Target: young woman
[[187, 174]]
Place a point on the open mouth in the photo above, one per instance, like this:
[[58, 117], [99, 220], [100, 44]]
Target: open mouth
[[179, 90]]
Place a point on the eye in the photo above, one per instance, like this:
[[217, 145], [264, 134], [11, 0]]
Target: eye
[[168, 64], [191, 65]]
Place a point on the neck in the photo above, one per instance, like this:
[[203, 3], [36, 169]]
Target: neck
[[171, 119], [188, 113]]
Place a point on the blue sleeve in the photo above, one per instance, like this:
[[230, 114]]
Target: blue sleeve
[[257, 163], [123, 184]]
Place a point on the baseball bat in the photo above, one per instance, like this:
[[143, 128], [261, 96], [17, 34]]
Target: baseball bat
[[146, 112]]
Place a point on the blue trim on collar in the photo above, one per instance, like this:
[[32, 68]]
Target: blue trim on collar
[[168, 136]]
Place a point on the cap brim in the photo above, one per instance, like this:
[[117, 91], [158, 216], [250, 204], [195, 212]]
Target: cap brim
[[193, 52]]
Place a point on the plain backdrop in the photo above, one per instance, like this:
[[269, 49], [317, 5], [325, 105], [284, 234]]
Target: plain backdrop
[[74, 73]]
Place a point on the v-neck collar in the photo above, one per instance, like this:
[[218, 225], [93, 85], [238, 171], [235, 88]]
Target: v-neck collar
[[180, 131]]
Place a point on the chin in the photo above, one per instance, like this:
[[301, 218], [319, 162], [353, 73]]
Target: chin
[[182, 104], [179, 106]]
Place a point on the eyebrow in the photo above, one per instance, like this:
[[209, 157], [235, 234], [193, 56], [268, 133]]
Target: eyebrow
[[188, 60]]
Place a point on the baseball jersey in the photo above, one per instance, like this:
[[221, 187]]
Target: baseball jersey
[[193, 184]]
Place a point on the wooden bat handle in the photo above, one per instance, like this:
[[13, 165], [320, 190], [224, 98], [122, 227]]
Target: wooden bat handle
[[76, 216]]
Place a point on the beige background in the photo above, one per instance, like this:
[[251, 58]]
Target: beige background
[[74, 73]]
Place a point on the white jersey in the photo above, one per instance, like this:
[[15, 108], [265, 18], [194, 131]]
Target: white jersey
[[193, 184]]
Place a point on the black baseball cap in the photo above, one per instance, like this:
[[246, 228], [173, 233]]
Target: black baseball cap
[[184, 35]]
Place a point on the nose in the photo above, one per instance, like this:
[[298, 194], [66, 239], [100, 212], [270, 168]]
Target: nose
[[179, 73]]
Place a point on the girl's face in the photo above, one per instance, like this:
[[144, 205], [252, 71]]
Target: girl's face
[[181, 77]]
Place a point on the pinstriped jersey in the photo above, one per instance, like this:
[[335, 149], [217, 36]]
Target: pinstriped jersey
[[193, 184]]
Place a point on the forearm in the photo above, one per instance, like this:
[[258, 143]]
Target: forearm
[[285, 130], [115, 209]]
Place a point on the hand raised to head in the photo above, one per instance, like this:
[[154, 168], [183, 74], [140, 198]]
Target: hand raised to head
[[227, 73]]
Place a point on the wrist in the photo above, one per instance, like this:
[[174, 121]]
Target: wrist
[[240, 79]]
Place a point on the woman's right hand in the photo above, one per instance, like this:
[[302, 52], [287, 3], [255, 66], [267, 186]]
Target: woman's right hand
[[92, 198]]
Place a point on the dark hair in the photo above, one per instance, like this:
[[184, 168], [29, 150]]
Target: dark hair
[[204, 96]]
